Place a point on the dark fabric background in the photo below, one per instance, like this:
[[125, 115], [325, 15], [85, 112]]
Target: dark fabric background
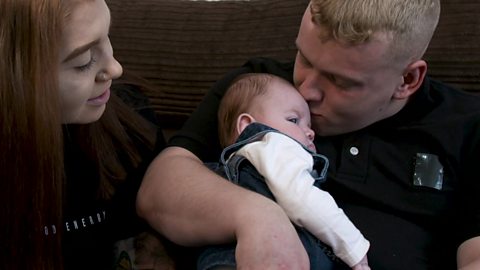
[[182, 47]]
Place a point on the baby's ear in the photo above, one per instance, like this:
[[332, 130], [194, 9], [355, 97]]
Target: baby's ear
[[243, 121]]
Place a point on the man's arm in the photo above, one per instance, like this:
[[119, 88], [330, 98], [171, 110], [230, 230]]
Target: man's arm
[[191, 205], [468, 254]]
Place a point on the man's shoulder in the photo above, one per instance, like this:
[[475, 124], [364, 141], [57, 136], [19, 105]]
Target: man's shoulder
[[453, 100], [272, 66], [451, 91]]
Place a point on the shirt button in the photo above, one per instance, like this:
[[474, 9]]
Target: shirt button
[[354, 151]]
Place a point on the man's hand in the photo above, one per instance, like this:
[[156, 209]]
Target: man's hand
[[468, 254]]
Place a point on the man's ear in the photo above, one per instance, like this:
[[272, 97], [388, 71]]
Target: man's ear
[[412, 79], [243, 121]]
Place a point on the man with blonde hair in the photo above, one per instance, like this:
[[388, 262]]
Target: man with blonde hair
[[402, 148]]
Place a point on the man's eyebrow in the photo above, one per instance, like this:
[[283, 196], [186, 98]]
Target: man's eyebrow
[[78, 51], [297, 47], [349, 80], [346, 78], [299, 51]]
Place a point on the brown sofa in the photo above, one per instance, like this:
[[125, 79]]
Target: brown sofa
[[182, 47]]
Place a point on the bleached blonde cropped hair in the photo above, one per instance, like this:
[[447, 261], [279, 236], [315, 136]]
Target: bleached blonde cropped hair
[[409, 23]]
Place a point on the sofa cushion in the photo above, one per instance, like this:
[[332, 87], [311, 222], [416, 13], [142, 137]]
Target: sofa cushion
[[182, 47], [454, 52]]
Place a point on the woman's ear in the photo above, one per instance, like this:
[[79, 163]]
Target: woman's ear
[[243, 121], [412, 79]]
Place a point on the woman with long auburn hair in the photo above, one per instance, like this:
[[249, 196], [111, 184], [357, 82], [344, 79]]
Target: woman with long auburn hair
[[73, 151]]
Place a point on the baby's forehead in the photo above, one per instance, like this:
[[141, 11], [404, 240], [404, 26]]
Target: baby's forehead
[[283, 89], [279, 87]]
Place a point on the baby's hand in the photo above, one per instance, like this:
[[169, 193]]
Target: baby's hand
[[362, 265]]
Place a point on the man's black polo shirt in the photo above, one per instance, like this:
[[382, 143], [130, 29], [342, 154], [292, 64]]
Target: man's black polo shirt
[[408, 182]]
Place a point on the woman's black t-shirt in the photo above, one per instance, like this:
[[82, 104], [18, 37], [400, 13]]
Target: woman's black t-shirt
[[91, 225]]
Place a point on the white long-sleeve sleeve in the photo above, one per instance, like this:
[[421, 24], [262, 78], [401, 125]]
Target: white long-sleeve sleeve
[[286, 167]]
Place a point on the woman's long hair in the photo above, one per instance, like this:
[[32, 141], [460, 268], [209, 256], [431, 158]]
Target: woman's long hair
[[116, 134], [31, 162], [31, 139], [111, 139]]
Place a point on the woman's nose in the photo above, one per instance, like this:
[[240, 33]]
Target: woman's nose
[[116, 68], [112, 71]]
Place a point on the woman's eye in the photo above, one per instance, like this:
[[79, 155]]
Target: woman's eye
[[88, 65]]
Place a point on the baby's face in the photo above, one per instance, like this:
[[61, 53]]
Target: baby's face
[[284, 109]]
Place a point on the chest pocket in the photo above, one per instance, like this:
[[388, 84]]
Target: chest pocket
[[428, 171]]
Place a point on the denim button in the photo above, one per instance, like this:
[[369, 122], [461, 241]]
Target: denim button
[[354, 151]]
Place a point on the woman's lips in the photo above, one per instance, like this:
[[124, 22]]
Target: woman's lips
[[100, 100]]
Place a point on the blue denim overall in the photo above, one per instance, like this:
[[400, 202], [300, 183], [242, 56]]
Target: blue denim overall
[[240, 171]]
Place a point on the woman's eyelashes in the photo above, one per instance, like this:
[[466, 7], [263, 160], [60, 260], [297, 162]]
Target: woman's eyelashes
[[88, 65]]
